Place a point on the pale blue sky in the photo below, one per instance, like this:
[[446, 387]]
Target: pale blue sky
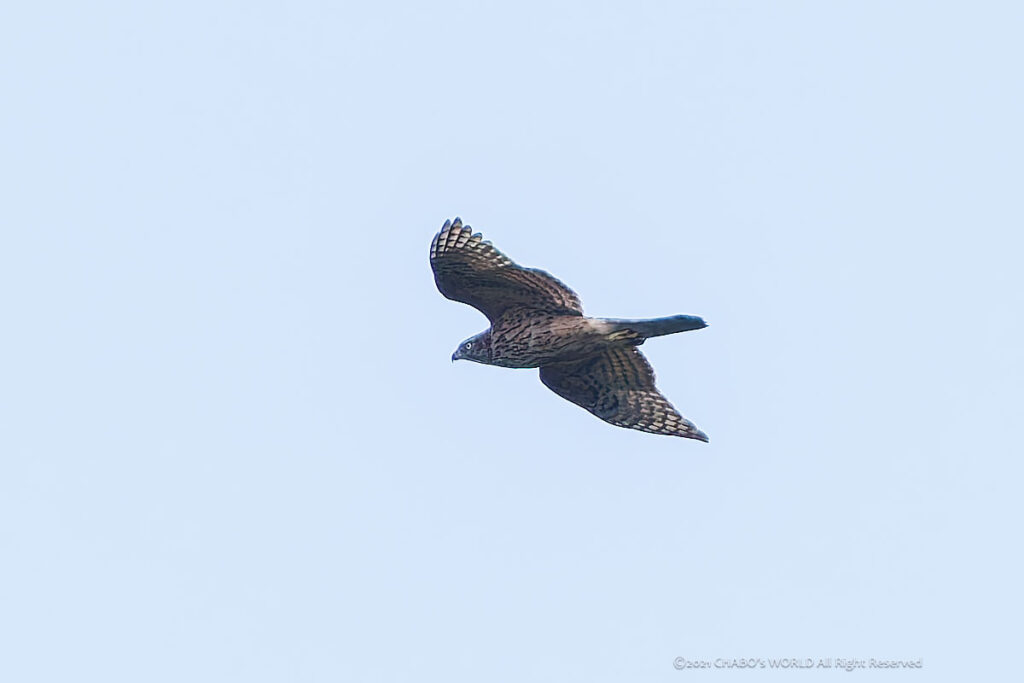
[[232, 445]]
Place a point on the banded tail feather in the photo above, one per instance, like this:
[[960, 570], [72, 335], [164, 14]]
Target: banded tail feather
[[657, 327]]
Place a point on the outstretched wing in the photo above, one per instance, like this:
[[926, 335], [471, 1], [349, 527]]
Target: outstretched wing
[[618, 387], [470, 270]]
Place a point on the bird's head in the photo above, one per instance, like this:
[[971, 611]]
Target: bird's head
[[476, 349]]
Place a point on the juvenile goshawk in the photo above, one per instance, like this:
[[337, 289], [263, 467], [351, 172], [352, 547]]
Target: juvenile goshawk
[[538, 322]]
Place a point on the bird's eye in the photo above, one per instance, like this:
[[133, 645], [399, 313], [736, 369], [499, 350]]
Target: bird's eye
[[469, 345]]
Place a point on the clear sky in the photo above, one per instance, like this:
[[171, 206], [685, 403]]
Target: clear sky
[[232, 444]]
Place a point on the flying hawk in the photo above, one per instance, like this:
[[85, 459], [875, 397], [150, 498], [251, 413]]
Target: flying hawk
[[538, 322]]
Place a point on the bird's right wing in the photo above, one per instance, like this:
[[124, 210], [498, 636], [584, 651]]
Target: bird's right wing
[[618, 386], [470, 270]]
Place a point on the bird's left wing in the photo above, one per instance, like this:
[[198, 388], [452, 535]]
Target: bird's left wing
[[470, 270], [618, 386]]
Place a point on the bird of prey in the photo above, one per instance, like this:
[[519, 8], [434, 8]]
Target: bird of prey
[[538, 322]]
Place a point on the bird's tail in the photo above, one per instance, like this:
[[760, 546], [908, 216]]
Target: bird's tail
[[656, 327]]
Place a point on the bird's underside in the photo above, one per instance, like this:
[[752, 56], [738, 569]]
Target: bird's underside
[[537, 321]]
